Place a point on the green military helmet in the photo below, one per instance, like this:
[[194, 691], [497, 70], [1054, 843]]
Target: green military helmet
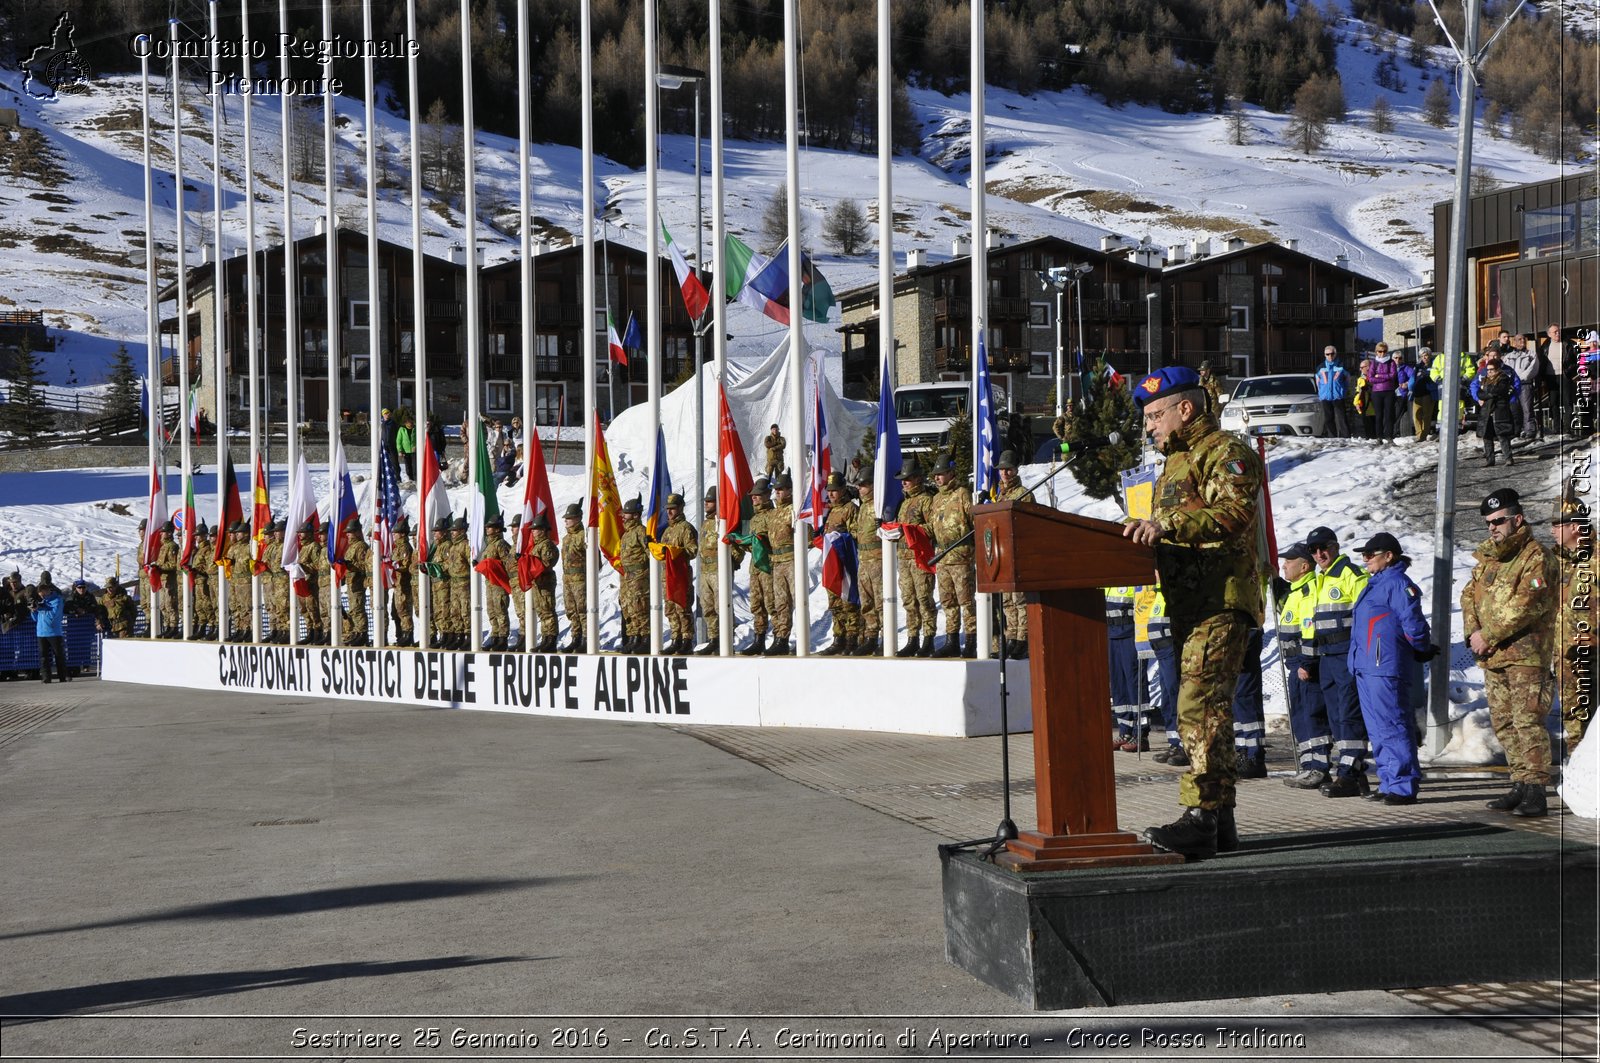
[[573, 511], [459, 524], [783, 482], [674, 501], [762, 487], [1008, 460], [910, 470], [540, 522], [496, 521], [442, 524], [633, 506], [836, 482], [711, 494]]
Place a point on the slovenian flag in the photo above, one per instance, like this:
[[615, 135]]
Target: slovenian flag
[[344, 510], [695, 296], [619, 354], [839, 566], [763, 283]]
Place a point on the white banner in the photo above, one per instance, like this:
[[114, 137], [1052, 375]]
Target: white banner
[[953, 698]]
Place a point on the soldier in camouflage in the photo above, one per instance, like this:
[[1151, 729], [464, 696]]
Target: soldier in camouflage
[[237, 566], [166, 567], [778, 527], [1508, 608], [152, 625], [575, 578], [679, 537], [277, 585], [313, 563], [708, 572], [916, 583], [439, 585], [403, 593], [118, 620], [842, 511], [520, 589], [760, 582], [775, 445], [457, 561], [357, 576], [202, 569], [544, 584], [633, 557], [1203, 528], [869, 566], [1014, 604], [950, 519], [496, 599], [1578, 613]]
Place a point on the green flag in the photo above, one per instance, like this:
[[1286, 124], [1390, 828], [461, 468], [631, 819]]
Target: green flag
[[484, 504]]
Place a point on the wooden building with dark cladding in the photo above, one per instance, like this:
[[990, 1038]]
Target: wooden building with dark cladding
[[1533, 258]]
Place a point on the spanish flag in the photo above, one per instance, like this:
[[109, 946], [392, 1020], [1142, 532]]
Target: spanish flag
[[605, 505], [260, 516]]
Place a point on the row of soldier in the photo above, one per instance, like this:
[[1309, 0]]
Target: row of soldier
[[938, 576]]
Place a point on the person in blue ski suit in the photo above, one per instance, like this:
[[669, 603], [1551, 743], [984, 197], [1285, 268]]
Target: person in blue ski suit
[[1389, 633]]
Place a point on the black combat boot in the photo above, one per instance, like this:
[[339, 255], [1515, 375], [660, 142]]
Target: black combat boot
[[969, 647], [912, 648], [1227, 831], [1345, 786], [1177, 757], [951, 647], [833, 649], [867, 648], [757, 647], [1193, 834], [580, 644], [708, 650], [1252, 766], [1534, 802], [926, 649], [777, 648], [1507, 802]]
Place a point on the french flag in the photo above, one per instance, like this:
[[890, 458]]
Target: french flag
[[839, 566]]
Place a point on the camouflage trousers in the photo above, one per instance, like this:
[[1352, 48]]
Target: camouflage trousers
[[846, 617], [461, 605], [680, 620], [311, 611], [869, 585], [1519, 698], [577, 606], [203, 599], [782, 604], [1577, 681], [916, 600], [544, 611], [240, 606], [497, 604], [519, 605], [1211, 653], [171, 602], [957, 583], [760, 600], [277, 594], [635, 602], [152, 625], [708, 601], [355, 617], [1015, 607], [400, 596], [439, 607]]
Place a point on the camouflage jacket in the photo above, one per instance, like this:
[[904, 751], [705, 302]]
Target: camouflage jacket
[[1010, 494], [681, 535], [542, 548], [357, 566], [777, 524], [119, 613], [708, 548], [455, 557], [313, 560], [915, 505], [1511, 598], [633, 551], [573, 560], [864, 526], [949, 518], [775, 446], [496, 547], [238, 564], [167, 557], [272, 553], [842, 518], [402, 554], [1206, 501]]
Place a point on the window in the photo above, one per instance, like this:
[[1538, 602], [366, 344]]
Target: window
[[313, 286], [497, 343], [408, 393], [1039, 363], [1489, 288], [548, 400], [1039, 315], [315, 340], [547, 353], [497, 396], [360, 313], [407, 339], [1239, 318]]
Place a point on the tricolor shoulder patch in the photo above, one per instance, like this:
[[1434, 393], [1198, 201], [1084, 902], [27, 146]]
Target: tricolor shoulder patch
[[1234, 467], [1538, 584], [1412, 592]]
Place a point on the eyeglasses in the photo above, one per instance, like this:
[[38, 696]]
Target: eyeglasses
[[1151, 416], [1495, 522]]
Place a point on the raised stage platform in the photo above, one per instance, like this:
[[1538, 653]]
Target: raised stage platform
[[931, 697]]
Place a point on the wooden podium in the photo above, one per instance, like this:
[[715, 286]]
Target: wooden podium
[[1061, 561]]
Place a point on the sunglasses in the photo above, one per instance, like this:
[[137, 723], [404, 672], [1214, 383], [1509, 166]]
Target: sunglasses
[[1495, 522]]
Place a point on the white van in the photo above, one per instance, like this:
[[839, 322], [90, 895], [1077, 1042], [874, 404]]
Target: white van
[[924, 412]]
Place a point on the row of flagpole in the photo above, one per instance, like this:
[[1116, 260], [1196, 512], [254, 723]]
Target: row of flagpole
[[888, 487]]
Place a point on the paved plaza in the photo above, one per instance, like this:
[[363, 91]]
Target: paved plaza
[[191, 876]]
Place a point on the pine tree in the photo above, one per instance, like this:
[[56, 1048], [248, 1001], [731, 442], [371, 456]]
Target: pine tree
[[775, 223], [961, 446], [846, 227], [1382, 116], [1238, 128], [122, 400], [1099, 466], [1436, 104], [25, 414]]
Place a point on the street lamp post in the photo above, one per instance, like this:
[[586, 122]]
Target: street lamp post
[[1060, 278], [1149, 332]]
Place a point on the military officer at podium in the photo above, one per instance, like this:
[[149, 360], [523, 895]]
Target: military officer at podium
[[1203, 528]]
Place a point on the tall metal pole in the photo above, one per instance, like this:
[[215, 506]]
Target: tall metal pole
[[1061, 351], [699, 327], [797, 345], [526, 274], [376, 592], [652, 266], [154, 384], [889, 604], [182, 354], [331, 295], [719, 341], [219, 346], [422, 412], [1438, 731], [591, 560], [980, 280], [252, 317], [291, 303], [469, 208]]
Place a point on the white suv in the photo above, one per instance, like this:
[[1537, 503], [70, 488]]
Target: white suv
[[1280, 405]]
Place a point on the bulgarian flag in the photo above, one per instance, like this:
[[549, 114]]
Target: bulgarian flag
[[618, 353], [483, 503], [186, 520], [605, 505], [695, 296]]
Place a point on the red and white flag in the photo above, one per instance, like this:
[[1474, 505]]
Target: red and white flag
[[733, 476], [433, 501], [302, 510]]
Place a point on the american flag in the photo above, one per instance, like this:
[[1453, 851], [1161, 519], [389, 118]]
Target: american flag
[[389, 514], [985, 477]]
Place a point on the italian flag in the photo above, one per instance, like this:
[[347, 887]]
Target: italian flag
[[695, 296], [483, 504], [187, 516], [618, 353]]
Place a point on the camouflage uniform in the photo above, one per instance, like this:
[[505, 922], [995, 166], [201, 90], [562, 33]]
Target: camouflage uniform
[[679, 534], [404, 588], [119, 612], [633, 555], [167, 555], [544, 589], [869, 570], [1015, 603], [1206, 505], [519, 593], [357, 576], [1510, 600], [708, 573], [202, 570], [239, 567], [778, 526], [841, 518], [775, 444], [496, 600], [457, 560], [151, 624], [760, 598], [916, 584], [1577, 626], [950, 517], [574, 584], [277, 586], [314, 563]]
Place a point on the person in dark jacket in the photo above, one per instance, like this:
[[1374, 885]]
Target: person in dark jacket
[[1388, 635], [48, 609], [1383, 377], [436, 437], [1495, 390]]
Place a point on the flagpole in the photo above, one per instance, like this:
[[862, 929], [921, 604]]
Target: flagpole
[[422, 412], [652, 173], [330, 292], [889, 599], [252, 321], [469, 208], [719, 337], [185, 591], [980, 282], [291, 307], [797, 353], [377, 594], [219, 393], [154, 385], [591, 560], [529, 319]]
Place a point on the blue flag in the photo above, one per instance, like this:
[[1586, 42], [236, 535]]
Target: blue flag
[[985, 478], [632, 338], [655, 507], [887, 491]]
